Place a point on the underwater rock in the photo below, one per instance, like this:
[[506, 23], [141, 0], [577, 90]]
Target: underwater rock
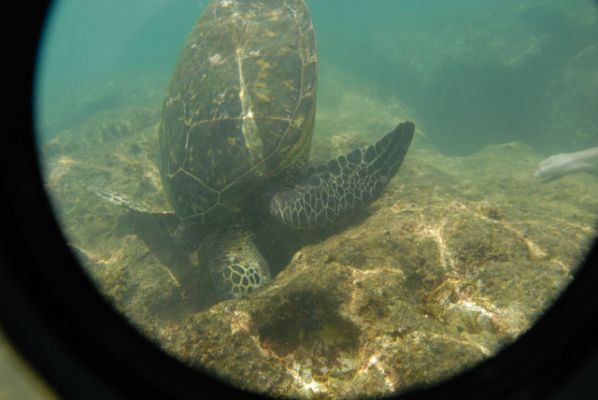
[[102, 127], [457, 258]]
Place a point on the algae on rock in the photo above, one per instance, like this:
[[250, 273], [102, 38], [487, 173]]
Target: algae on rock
[[457, 258]]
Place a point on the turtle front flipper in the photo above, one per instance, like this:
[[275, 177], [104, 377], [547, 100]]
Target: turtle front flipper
[[342, 185]]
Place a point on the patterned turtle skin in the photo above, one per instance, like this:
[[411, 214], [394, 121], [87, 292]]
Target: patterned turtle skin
[[237, 123]]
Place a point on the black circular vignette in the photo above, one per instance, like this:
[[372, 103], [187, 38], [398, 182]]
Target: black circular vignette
[[54, 316]]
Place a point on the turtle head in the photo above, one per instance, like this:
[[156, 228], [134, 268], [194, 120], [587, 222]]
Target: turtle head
[[236, 265]]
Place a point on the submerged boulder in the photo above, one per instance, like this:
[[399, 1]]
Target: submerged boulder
[[457, 258]]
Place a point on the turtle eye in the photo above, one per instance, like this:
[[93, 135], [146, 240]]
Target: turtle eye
[[179, 236]]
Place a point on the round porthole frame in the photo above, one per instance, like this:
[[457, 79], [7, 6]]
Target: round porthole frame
[[83, 348]]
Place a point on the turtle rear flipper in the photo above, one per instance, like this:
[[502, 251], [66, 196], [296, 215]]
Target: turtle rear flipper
[[145, 220], [120, 200], [342, 185]]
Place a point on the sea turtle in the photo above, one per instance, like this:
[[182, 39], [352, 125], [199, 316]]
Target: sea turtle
[[235, 135]]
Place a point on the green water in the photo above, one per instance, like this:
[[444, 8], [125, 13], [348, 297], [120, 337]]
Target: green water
[[473, 73]]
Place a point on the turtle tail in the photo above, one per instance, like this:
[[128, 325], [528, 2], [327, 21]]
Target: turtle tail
[[330, 191]]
